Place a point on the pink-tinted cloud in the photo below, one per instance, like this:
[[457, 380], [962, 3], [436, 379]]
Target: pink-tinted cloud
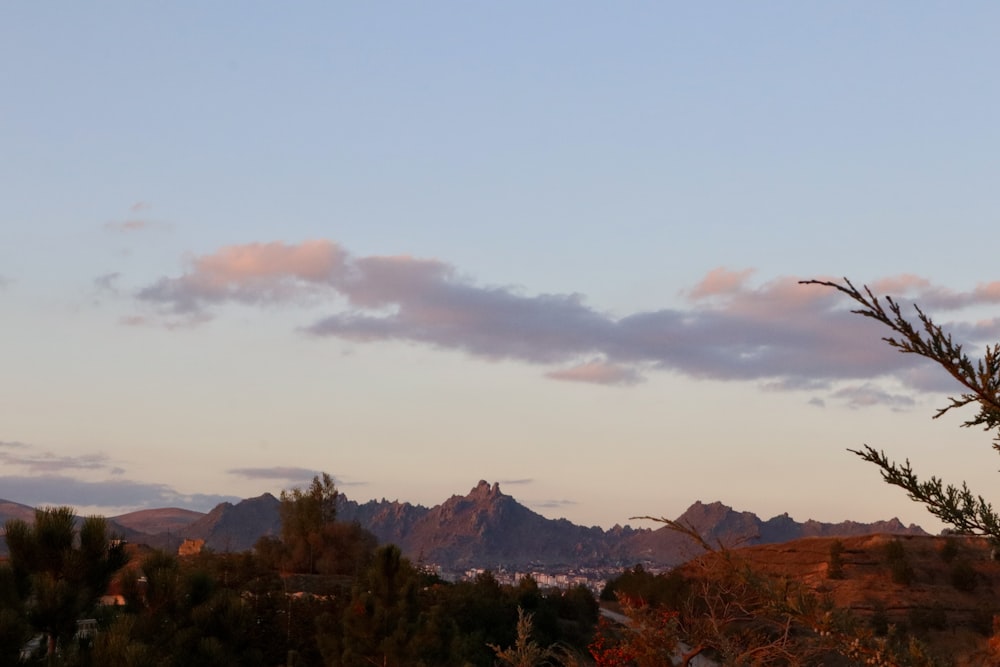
[[598, 372], [135, 221], [720, 281], [912, 288], [255, 273], [905, 283], [781, 334], [311, 261]]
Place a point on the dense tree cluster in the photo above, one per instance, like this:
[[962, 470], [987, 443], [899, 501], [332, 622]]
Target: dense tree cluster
[[55, 574], [324, 594]]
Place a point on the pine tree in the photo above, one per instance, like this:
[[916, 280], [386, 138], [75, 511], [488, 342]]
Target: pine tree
[[61, 573]]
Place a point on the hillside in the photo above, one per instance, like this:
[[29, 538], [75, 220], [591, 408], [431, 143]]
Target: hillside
[[155, 521], [948, 598], [721, 525], [230, 527]]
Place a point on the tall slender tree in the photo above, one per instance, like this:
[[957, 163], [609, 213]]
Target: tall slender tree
[[61, 572], [305, 515]]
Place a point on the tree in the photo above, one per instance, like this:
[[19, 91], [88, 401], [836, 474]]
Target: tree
[[380, 622], [60, 572], [525, 652], [304, 515], [14, 630], [958, 507]]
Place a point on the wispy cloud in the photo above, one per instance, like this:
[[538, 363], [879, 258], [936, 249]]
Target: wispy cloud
[[867, 395], [516, 482], [33, 476], [11, 444], [289, 474], [553, 504], [283, 473], [779, 333], [15, 454], [108, 282], [126, 226], [38, 490], [134, 223]]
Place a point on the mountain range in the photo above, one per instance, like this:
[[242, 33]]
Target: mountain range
[[484, 528]]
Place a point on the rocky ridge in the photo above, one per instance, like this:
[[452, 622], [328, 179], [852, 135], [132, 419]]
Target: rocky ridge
[[484, 528]]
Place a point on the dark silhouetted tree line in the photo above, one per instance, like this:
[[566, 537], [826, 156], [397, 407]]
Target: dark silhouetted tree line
[[322, 594]]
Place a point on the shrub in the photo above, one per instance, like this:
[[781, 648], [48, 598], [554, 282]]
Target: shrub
[[880, 620], [835, 568], [902, 573], [949, 550], [963, 576]]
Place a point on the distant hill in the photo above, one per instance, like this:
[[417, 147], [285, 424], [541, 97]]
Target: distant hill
[[721, 525], [484, 528], [164, 520], [11, 510]]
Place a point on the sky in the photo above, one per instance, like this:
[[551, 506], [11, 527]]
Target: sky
[[552, 245]]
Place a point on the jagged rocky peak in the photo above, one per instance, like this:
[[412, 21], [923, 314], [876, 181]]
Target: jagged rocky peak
[[484, 490]]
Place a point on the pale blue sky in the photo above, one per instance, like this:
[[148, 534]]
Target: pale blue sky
[[378, 239]]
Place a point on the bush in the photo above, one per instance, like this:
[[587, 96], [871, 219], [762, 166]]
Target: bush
[[963, 576], [949, 550], [902, 573], [880, 620], [894, 550], [835, 568], [923, 620]]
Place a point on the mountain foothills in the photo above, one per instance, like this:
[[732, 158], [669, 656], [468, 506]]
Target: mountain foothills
[[483, 529]]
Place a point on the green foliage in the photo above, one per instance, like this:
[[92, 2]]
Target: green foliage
[[647, 588], [957, 506], [381, 619], [14, 630], [244, 609], [312, 540], [304, 515], [879, 620], [525, 652], [59, 572]]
